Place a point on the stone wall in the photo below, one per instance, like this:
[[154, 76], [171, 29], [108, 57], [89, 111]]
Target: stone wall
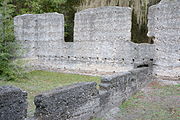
[[83, 101], [109, 48], [13, 103], [80, 101], [75, 102], [40, 34], [122, 85], [164, 26], [102, 40], [103, 24]]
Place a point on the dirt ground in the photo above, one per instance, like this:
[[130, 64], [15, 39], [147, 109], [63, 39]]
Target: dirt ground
[[160, 100]]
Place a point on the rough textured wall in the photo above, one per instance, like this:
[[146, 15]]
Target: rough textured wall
[[25, 32], [102, 36], [103, 24], [40, 34], [80, 101], [83, 101], [164, 25], [75, 102], [122, 85], [13, 103], [101, 40], [105, 52]]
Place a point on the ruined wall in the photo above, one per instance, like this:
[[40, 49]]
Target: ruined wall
[[103, 24], [83, 101], [13, 103], [75, 102], [164, 25], [102, 36], [122, 85], [80, 101], [40, 34], [102, 40]]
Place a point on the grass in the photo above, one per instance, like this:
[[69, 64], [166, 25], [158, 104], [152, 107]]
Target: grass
[[157, 103], [40, 81]]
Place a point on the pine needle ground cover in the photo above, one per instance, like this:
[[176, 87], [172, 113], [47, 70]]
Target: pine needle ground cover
[[40, 81]]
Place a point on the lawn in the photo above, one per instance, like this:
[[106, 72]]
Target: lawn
[[153, 102], [40, 81]]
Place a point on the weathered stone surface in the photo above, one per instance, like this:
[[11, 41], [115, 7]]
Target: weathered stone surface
[[35, 31], [75, 102], [121, 86], [83, 101], [103, 24], [109, 48], [164, 25], [13, 104]]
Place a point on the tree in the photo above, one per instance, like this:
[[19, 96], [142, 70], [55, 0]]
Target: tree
[[8, 69]]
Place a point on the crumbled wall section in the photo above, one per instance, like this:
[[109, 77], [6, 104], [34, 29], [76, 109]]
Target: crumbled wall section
[[40, 34], [164, 25], [25, 33], [83, 101], [80, 101], [76, 102], [102, 41], [13, 103], [122, 85], [103, 35]]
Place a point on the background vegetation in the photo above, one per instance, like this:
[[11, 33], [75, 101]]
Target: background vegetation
[[9, 70]]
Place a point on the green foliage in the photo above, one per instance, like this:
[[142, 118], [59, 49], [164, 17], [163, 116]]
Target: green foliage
[[8, 69]]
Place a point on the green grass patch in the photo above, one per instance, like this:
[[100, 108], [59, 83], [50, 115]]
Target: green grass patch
[[132, 101], [159, 103], [40, 81]]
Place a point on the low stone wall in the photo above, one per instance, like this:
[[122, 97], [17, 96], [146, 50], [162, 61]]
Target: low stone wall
[[83, 101], [121, 86], [76, 102], [80, 101], [13, 104]]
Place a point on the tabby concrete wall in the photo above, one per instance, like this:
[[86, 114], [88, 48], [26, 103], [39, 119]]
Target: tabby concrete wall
[[80, 101], [102, 52], [84, 101], [13, 104], [101, 40], [164, 25], [75, 102], [40, 34]]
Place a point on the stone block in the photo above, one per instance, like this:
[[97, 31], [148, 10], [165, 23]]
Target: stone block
[[13, 104]]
